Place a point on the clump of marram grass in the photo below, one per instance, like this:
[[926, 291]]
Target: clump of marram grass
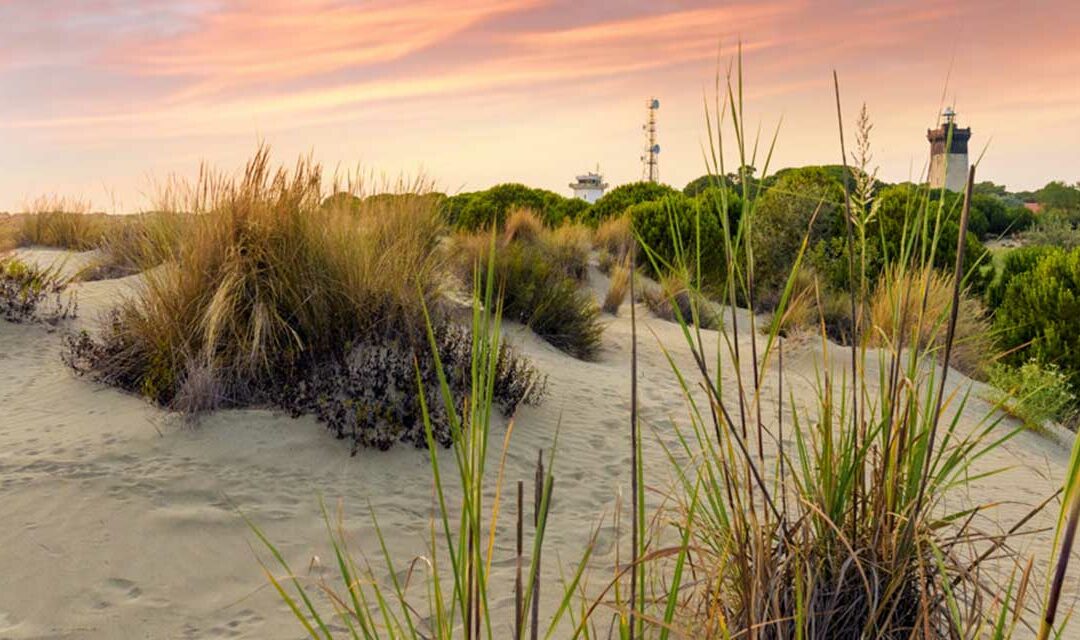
[[133, 244], [266, 290], [570, 245], [538, 272], [913, 305], [29, 293], [537, 291], [524, 226], [618, 286], [61, 223], [676, 298], [616, 237]]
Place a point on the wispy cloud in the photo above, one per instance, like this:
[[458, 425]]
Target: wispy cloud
[[99, 74]]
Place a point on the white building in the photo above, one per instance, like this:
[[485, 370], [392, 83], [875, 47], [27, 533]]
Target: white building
[[589, 187]]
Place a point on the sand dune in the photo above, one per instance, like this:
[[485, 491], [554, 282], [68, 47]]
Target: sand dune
[[120, 520]]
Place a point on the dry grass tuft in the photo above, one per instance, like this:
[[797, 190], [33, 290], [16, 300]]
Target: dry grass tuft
[[616, 236], [62, 223], [133, 244], [570, 246], [523, 225], [675, 300], [617, 288], [914, 304]]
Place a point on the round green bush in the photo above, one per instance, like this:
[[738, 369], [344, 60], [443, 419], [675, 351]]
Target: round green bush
[[481, 209], [781, 219], [674, 227], [1040, 309], [621, 198]]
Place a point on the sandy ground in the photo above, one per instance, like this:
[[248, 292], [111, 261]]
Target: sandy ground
[[120, 520]]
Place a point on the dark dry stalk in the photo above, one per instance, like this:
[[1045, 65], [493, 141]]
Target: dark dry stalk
[[949, 336], [851, 286], [538, 497], [1002, 539], [633, 450], [518, 619], [1062, 564]]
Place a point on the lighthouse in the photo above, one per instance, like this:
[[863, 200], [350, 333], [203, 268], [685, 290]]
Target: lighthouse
[[948, 153]]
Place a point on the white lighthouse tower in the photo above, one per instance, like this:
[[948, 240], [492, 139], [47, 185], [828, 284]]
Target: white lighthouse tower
[[590, 186]]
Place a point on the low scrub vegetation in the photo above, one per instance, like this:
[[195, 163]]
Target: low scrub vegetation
[[32, 294], [479, 210], [1036, 393]]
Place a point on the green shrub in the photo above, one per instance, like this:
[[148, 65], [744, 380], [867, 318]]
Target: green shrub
[[1037, 393], [782, 218], [669, 230], [615, 202], [1014, 263], [899, 206], [1001, 218], [480, 209], [1038, 316]]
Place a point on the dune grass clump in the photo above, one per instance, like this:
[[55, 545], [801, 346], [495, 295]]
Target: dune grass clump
[[266, 290], [570, 245], [538, 273], [615, 236], [676, 298], [61, 223], [617, 288], [537, 292], [133, 244], [895, 310], [32, 294]]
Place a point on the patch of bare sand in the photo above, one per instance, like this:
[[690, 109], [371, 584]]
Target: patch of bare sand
[[120, 521]]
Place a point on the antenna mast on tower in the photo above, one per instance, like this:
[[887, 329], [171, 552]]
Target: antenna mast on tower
[[650, 160]]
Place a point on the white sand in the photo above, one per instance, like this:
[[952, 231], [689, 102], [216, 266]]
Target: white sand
[[118, 518]]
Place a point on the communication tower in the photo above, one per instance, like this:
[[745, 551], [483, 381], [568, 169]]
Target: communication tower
[[650, 160]]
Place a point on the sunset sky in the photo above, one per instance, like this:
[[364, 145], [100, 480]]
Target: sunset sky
[[98, 98]]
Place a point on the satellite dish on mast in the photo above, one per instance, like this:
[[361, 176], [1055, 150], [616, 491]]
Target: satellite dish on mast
[[655, 104]]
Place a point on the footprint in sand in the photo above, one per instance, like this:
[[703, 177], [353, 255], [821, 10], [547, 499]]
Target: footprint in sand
[[244, 623], [115, 592]]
